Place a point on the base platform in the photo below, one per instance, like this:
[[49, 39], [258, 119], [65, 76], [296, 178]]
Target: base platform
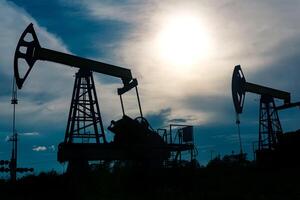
[[111, 151]]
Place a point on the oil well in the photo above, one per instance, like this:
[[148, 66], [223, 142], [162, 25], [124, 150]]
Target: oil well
[[85, 137], [275, 148]]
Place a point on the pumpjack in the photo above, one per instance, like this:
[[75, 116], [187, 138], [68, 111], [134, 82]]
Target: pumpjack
[[274, 146], [85, 138]]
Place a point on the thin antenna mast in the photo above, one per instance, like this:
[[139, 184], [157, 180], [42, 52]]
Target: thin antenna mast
[[14, 138]]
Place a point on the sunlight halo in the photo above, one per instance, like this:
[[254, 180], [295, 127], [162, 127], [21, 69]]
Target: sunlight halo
[[183, 40]]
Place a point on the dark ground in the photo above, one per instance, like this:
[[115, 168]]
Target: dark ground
[[204, 183]]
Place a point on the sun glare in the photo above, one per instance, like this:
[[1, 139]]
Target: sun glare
[[183, 40]]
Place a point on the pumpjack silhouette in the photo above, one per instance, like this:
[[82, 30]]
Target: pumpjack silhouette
[[85, 137], [275, 148]]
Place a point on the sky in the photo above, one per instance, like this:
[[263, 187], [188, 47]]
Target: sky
[[182, 53]]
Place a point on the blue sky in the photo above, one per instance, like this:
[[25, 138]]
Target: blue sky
[[261, 36]]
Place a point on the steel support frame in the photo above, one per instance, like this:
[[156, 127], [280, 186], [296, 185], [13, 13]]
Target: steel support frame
[[269, 124], [84, 111]]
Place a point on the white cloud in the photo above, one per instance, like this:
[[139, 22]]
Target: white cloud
[[50, 148], [39, 148], [30, 134]]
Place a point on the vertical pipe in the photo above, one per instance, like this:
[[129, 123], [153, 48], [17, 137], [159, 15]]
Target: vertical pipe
[[239, 132], [138, 98], [122, 105]]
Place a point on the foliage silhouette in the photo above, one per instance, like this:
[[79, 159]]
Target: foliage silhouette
[[239, 182]]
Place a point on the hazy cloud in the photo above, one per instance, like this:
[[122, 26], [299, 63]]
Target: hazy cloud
[[263, 39], [177, 120], [159, 119], [130, 12], [262, 36]]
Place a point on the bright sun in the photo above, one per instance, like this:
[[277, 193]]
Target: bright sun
[[183, 40]]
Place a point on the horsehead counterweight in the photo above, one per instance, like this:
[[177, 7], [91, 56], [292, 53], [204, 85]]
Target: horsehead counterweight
[[239, 87]]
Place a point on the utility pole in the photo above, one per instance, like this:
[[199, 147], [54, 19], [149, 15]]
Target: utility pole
[[14, 138]]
